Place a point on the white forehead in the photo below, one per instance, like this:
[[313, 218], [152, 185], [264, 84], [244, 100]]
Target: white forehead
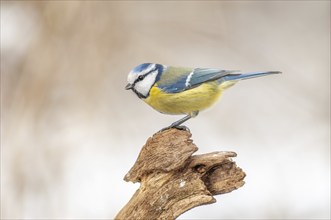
[[133, 75]]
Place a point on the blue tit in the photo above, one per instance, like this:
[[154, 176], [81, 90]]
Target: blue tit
[[180, 90]]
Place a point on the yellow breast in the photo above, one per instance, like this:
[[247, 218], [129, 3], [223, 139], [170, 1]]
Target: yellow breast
[[191, 100]]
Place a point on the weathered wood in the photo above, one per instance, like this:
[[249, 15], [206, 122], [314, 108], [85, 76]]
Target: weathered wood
[[173, 181]]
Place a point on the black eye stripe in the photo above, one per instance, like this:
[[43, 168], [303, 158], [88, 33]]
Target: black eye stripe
[[141, 77]]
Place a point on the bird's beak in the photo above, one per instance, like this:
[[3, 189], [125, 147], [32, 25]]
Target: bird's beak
[[128, 86]]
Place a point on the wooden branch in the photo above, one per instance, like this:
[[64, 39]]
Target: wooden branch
[[173, 181]]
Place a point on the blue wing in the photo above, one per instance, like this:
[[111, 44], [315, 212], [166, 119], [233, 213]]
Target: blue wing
[[176, 80], [202, 75]]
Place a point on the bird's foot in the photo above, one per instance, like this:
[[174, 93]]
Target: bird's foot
[[179, 127], [182, 127]]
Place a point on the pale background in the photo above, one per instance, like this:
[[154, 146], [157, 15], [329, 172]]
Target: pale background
[[70, 132]]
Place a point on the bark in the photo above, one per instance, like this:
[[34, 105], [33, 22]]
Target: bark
[[173, 181]]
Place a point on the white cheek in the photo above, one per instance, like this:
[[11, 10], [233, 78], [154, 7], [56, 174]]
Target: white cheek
[[145, 85]]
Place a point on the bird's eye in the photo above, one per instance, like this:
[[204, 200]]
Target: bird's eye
[[141, 77]]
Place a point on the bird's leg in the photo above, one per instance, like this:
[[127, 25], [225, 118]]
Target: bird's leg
[[177, 124]]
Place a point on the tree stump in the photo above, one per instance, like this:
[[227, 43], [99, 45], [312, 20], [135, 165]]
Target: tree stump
[[173, 181]]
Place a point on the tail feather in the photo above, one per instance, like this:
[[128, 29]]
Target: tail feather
[[235, 77]]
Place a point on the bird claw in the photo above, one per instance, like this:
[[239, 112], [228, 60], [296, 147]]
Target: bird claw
[[182, 127], [179, 127], [177, 124]]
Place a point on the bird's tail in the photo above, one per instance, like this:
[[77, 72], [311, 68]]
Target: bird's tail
[[232, 78], [236, 77]]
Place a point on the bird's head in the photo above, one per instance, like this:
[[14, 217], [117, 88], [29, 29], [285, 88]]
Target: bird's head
[[143, 77]]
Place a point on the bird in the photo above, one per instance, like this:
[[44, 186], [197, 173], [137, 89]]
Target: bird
[[183, 90]]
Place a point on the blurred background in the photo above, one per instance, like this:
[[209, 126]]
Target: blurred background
[[70, 132]]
